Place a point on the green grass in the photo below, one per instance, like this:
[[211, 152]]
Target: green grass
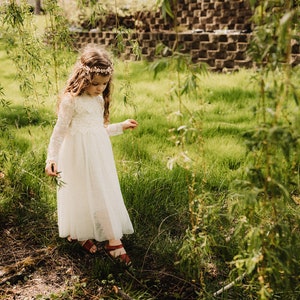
[[157, 197], [224, 114]]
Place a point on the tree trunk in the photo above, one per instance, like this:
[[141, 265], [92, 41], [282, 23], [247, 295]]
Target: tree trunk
[[37, 9]]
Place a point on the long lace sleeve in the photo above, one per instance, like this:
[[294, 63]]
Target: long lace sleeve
[[114, 129], [66, 110]]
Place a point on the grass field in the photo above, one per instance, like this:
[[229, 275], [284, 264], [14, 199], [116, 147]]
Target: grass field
[[157, 196]]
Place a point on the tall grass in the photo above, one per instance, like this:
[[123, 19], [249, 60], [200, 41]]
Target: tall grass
[[157, 197], [164, 195]]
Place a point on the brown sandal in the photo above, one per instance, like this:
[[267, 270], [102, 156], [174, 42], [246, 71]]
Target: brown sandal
[[88, 246], [123, 258]]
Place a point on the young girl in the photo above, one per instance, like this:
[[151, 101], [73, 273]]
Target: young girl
[[90, 204]]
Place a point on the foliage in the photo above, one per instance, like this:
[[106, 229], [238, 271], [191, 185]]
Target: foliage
[[27, 50], [167, 10], [93, 14], [266, 237], [218, 214], [157, 197], [268, 218], [59, 41], [4, 103], [195, 253]]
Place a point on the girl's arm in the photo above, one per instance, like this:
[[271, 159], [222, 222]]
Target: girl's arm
[[65, 113], [118, 128]]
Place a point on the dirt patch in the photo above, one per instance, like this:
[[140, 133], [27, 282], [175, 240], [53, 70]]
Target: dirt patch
[[28, 272], [36, 285], [64, 270]]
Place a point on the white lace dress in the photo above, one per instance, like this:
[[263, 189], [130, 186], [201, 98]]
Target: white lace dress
[[90, 204]]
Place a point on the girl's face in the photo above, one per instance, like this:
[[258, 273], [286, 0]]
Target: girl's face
[[98, 85]]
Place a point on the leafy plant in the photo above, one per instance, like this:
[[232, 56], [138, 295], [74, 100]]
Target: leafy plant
[[268, 219], [195, 252], [59, 41], [24, 48]]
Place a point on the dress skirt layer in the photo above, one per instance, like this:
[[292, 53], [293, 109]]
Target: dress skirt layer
[[90, 203]]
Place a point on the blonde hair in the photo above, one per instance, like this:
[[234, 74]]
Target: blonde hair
[[94, 60]]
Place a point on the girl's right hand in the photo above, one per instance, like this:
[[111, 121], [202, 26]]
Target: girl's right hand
[[51, 168], [129, 124]]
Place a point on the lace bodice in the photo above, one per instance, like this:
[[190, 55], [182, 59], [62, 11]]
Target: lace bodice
[[78, 115]]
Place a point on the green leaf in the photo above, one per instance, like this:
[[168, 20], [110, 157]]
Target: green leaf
[[166, 9]]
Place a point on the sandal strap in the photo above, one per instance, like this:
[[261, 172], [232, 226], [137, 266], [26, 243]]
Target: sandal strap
[[87, 245], [125, 259], [111, 248]]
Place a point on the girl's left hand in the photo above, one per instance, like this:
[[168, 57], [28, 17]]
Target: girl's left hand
[[129, 124], [51, 168]]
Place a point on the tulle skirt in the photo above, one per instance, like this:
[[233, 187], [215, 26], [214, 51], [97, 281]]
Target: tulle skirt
[[90, 204]]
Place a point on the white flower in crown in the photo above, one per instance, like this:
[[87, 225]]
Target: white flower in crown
[[87, 69]]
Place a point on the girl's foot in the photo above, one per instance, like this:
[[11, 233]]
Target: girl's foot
[[70, 240], [89, 246], [118, 252]]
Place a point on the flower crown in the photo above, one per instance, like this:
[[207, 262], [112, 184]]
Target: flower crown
[[95, 69]]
